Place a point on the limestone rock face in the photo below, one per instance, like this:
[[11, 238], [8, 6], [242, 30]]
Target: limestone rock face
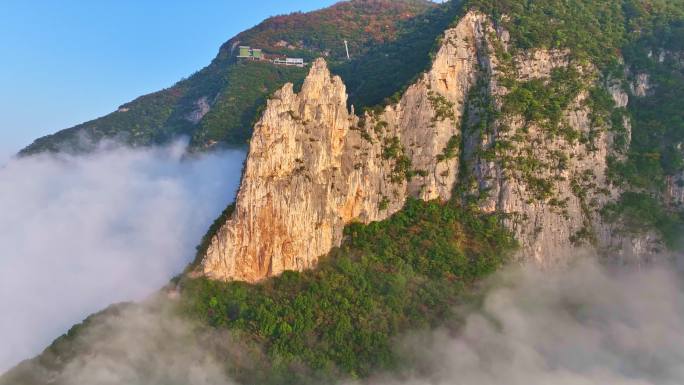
[[285, 209], [202, 107], [549, 186], [314, 166]]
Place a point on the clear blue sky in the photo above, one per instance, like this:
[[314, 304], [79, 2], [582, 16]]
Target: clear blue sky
[[64, 62]]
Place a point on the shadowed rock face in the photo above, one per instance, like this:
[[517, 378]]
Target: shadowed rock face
[[314, 166]]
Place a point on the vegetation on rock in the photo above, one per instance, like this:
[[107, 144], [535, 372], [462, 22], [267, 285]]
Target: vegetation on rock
[[602, 34]]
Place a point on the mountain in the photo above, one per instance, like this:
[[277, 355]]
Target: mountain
[[532, 131], [532, 134], [216, 106]]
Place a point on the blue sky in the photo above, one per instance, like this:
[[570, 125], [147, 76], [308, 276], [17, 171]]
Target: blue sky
[[64, 62]]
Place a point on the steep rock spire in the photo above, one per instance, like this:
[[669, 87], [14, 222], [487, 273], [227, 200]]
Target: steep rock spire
[[313, 167]]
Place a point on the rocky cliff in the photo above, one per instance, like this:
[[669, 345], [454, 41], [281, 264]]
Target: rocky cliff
[[468, 129]]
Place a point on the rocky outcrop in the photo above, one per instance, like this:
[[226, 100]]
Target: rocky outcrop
[[284, 212], [546, 184], [549, 179], [314, 166], [202, 107]]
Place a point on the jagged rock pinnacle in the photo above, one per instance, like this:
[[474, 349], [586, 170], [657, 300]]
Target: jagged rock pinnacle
[[314, 167]]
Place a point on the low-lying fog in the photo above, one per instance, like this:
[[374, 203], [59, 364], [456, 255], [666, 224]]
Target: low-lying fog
[[581, 326], [78, 233]]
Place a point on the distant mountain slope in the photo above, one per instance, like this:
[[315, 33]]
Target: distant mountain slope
[[217, 105], [363, 23]]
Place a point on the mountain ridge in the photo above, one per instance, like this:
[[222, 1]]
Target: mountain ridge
[[314, 167], [216, 105], [546, 170], [558, 140]]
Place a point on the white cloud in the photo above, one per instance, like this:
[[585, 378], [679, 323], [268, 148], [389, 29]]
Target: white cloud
[[160, 349], [5, 155], [580, 326], [80, 233]]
